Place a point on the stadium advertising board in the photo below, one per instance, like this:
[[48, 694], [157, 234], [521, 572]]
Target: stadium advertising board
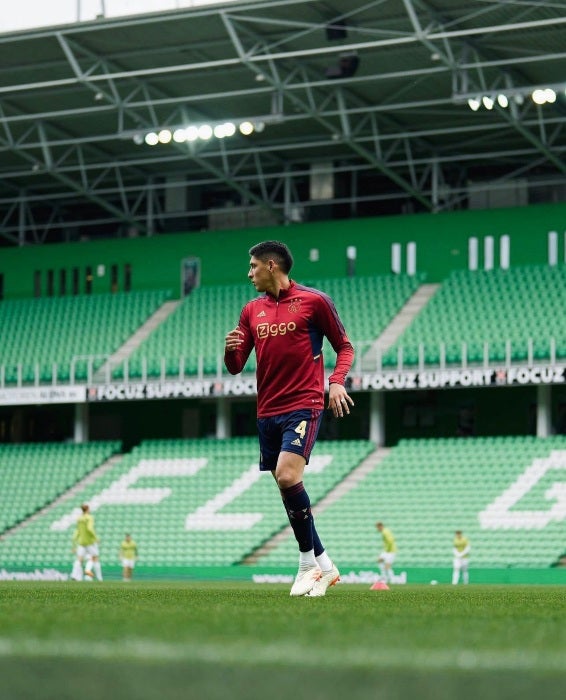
[[189, 389], [375, 381], [459, 378], [27, 395], [401, 380]]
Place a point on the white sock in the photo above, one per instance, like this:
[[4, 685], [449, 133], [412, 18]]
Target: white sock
[[306, 559], [97, 570], [77, 572], [324, 561], [89, 565]]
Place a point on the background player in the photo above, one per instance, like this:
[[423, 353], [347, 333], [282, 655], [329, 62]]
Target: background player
[[128, 556], [387, 557], [461, 552], [85, 542]]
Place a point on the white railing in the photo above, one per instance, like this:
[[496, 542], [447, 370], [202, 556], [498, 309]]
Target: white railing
[[98, 369], [374, 361]]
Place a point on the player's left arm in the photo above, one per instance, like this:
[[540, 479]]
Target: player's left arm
[[338, 398], [93, 531]]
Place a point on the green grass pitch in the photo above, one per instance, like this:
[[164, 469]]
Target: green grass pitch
[[232, 640]]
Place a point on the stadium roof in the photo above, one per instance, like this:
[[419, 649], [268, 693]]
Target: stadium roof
[[360, 107]]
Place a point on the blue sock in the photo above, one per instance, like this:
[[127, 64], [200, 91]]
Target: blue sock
[[298, 507], [317, 544]]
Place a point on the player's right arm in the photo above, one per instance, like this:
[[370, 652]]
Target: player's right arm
[[238, 345]]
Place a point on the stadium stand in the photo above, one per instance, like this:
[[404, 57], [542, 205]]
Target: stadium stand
[[521, 305], [193, 333], [57, 335], [203, 502], [187, 503], [366, 305], [516, 314], [198, 326], [33, 475], [426, 489]]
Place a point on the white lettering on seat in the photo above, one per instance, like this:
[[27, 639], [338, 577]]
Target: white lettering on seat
[[120, 492], [318, 464], [499, 514], [207, 516]]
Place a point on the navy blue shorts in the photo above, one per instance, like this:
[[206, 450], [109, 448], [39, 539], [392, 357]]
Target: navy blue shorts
[[289, 432]]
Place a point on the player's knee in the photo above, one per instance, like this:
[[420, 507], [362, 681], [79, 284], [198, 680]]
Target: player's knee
[[285, 478]]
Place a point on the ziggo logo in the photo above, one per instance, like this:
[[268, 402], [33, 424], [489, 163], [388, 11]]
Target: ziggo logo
[[264, 330]]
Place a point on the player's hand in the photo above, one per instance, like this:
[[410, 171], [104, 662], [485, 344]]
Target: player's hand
[[234, 339], [339, 401]]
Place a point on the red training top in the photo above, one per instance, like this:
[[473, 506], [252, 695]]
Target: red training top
[[287, 333]]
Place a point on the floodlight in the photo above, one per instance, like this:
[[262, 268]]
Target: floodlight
[[503, 100], [550, 95], [487, 102], [474, 103], [246, 128], [180, 135], [205, 132], [229, 129], [164, 136], [191, 133], [151, 139]]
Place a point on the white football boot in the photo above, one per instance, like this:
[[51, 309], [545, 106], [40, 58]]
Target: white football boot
[[327, 579], [305, 580]]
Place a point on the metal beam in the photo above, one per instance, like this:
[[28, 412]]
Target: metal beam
[[113, 99], [427, 40], [256, 58], [379, 165]]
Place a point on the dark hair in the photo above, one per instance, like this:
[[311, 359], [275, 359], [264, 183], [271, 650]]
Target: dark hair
[[276, 250]]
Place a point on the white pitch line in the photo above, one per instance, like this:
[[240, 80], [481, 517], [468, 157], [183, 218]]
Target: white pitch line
[[251, 655]]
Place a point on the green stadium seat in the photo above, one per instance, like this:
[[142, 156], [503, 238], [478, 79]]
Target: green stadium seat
[[33, 475], [67, 330], [159, 528], [425, 489], [519, 305]]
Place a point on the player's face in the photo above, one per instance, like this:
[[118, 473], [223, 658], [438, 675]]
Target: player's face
[[260, 274]]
